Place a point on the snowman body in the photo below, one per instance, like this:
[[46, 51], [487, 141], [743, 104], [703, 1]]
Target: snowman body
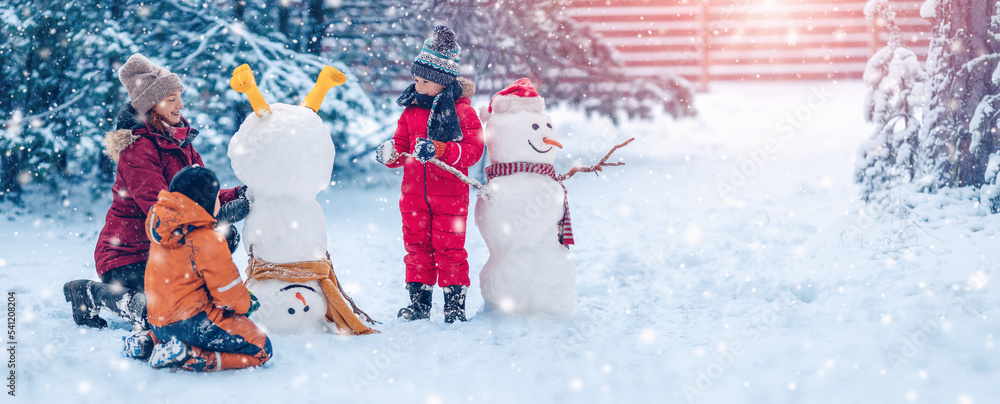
[[529, 271], [285, 158]]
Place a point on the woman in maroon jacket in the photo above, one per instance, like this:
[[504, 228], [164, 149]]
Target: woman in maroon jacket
[[151, 143]]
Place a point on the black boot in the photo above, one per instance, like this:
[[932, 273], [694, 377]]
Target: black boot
[[420, 302], [130, 304], [454, 303], [80, 294]]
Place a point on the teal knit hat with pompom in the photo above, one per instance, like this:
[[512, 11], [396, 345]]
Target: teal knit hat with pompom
[[438, 60]]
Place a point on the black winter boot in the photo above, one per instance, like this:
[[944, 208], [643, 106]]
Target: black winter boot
[[420, 302], [130, 304], [80, 294], [454, 303]]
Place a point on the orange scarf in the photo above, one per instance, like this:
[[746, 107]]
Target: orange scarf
[[337, 310]]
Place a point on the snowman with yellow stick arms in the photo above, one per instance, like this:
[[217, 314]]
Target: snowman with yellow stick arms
[[284, 154]]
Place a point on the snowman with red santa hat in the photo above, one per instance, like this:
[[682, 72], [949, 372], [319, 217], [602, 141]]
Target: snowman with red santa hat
[[523, 215]]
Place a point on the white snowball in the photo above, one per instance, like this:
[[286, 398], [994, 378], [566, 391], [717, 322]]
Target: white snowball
[[283, 230]]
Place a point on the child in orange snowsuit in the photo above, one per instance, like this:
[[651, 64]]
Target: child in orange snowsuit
[[197, 303]]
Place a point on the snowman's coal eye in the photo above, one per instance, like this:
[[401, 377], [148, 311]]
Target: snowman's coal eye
[[291, 311], [306, 309], [534, 126], [549, 125]]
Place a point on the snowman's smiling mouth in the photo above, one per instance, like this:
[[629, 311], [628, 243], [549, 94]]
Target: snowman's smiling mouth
[[536, 149], [296, 286]]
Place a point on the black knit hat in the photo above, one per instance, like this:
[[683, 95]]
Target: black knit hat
[[198, 183]]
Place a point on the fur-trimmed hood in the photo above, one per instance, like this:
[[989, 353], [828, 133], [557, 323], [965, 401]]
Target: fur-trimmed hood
[[468, 87], [116, 141]]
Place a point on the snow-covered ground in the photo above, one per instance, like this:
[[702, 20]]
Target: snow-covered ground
[[729, 261]]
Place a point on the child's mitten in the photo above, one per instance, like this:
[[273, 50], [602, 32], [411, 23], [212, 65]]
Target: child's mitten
[[425, 150], [385, 154], [254, 304], [241, 192], [232, 236], [234, 210]]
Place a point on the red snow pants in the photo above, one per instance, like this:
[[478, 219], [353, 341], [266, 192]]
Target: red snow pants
[[434, 237], [219, 341]]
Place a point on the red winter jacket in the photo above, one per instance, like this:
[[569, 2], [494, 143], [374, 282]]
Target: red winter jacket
[[147, 161], [412, 124]]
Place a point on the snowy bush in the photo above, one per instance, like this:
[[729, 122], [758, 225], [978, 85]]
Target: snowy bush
[[895, 83], [936, 126]]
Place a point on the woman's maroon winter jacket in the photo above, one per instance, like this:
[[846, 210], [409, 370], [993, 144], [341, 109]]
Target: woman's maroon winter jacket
[[147, 161]]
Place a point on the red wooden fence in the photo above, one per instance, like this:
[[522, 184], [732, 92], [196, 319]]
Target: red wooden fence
[[705, 40]]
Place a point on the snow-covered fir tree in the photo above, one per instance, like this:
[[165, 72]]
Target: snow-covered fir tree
[[939, 129], [59, 90], [986, 119], [960, 69], [895, 81]]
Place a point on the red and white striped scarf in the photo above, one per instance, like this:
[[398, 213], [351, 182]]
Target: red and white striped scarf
[[502, 169]]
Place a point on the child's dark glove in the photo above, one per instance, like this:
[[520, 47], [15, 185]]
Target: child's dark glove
[[241, 192], [231, 234], [385, 154], [234, 210], [254, 304], [425, 150]]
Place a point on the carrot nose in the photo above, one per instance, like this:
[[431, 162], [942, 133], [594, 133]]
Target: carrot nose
[[299, 295], [551, 142]]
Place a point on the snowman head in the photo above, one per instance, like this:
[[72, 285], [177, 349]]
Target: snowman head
[[283, 149], [517, 127], [290, 308]]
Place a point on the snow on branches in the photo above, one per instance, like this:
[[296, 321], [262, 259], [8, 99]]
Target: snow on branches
[[895, 81], [936, 124]]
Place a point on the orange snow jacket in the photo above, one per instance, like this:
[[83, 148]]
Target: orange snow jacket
[[190, 269]]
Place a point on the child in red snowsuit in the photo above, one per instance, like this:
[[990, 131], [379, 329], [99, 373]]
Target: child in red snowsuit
[[197, 303], [438, 122]]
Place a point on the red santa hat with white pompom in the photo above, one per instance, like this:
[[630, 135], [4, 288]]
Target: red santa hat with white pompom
[[520, 96]]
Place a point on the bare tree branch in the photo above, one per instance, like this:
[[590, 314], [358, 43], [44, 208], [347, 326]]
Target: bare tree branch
[[596, 167]]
